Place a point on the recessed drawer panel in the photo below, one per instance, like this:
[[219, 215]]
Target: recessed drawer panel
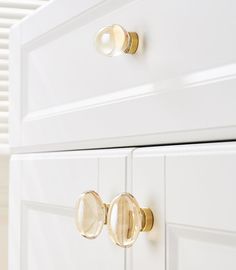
[[179, 86]]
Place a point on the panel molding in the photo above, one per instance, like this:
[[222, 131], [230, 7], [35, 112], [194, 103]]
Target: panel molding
[[27, 206], [46, 208], [178, 234], [210, 76]]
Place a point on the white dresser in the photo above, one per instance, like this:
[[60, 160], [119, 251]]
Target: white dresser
[[158, 124]]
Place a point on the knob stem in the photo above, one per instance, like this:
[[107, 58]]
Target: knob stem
[[148, 219], [133, 43], [106, 211]]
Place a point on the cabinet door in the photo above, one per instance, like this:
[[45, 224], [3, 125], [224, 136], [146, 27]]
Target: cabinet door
[[148, 187], [201, 208], [178, 87], [199, 213], [43, 191], [190, 189]]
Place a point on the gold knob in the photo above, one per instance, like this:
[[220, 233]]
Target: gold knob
[[114, 40], [91, 214], [125, 220]]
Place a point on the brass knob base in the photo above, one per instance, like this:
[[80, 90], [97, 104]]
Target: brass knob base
[[148, 219], [133, 43], [106, 211]]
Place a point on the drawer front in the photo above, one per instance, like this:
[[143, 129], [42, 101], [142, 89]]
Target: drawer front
[[178, 87], [43, 191]]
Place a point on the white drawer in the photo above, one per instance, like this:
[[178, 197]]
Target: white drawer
[[178, 87]]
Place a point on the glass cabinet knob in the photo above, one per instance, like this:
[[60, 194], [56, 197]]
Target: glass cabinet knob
[[90, 214], [115, 40], [125, 220]]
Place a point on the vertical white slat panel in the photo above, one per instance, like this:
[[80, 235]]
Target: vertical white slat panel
[[3, 128], [4, 75], [6, 23], [4, 85], [4, 44], [11, 12], [4, 32], [22, 4], [3, 96], [4, 106], [3, 64]]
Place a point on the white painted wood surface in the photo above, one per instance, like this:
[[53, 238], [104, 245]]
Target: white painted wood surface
[[179, 87], [192, 200], [200, 216], [44, 189], [201, 189], [194, 248], [11, 12], [3, 236], [148, 186], [4, 167]]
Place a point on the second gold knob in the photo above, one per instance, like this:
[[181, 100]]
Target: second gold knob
[[125, 220]]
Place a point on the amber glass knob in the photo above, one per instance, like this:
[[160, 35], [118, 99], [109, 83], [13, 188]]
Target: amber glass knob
[[90, 214], [125, 220], [114, 40]]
